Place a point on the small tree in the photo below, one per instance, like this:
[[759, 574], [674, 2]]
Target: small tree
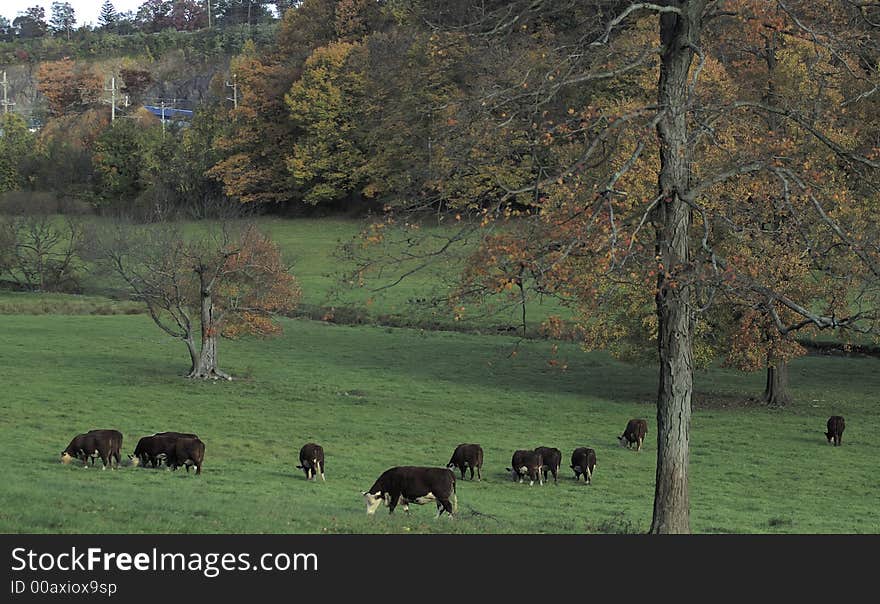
[[108, 16], [63, 18], [198, 289], [31, 23], [39, 252]]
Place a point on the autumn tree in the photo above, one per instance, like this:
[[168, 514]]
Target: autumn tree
[[260, 133], [642, 159], [325, 161], [153, 15], [68, 87], [200, 288]]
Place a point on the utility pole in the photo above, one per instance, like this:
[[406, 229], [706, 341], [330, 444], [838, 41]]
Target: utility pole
[[6, 101], [112, 91], [234, 87], [163, 117], [208, 2]]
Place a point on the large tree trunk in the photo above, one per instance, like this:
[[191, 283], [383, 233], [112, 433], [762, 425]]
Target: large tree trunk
[[679, 35], [776, 392], [205, 366]]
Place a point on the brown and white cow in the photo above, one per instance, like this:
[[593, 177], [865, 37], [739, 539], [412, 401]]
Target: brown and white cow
[[187, 452], [526, 463], [311, 460], [105, 444], [154, 449], [467, 456], [836, 426], [404, 485], [583, 461], [551, 459], [636, 430]]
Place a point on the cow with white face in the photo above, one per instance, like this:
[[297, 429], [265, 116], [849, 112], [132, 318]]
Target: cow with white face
[[404, 485]]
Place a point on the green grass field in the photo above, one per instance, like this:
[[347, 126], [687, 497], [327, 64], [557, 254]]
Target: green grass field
[[377, 397]]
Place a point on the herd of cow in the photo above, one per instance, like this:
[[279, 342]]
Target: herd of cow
[[400, 485], [175, 449]]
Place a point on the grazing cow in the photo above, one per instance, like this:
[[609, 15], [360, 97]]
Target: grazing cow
[[103, 443], [635, 432], [408, 484], [583, 460], [154, 449], [311, 460], [467, 456], [836, 426], [186, 452], [552, 459], [526, 462]]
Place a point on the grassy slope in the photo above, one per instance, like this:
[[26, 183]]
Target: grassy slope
[[311, 247], [377, 397]]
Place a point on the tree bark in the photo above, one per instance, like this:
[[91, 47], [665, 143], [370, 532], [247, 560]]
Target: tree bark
[[776, 392], [679, 35], [205, 366]]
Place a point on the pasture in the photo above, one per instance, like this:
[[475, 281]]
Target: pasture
[[376, 397]]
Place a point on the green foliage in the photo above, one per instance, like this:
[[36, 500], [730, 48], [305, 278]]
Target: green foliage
[[16, 144], [324, 104], [126, 157]]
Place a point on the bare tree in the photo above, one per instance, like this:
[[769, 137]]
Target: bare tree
[[39, 252], [198, 288]]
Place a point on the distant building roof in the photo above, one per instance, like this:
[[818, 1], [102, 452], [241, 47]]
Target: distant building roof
[[170, 113]]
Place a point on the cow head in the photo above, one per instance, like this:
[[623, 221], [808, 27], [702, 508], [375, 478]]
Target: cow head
[[373, 501], [135, 461], [829, 436], [66, 457], [622, 440]]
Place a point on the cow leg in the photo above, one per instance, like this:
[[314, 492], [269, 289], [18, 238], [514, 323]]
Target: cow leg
[[588, 476], [321, 471], [462, 469], [198, 469], [393, 503], [444, 505], [479, 474]]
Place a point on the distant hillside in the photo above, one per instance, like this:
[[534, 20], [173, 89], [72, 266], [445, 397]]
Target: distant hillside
[[182, 63]]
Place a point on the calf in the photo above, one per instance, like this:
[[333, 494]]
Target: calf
[[583, 460], [635, 432], [409, 484], [836, 426], [103, 443], [311, 460], [467, 456], [552, 459], [186, 452], [526, 462]]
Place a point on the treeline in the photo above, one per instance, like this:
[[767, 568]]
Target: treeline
[[152, 16], [203, 44]]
